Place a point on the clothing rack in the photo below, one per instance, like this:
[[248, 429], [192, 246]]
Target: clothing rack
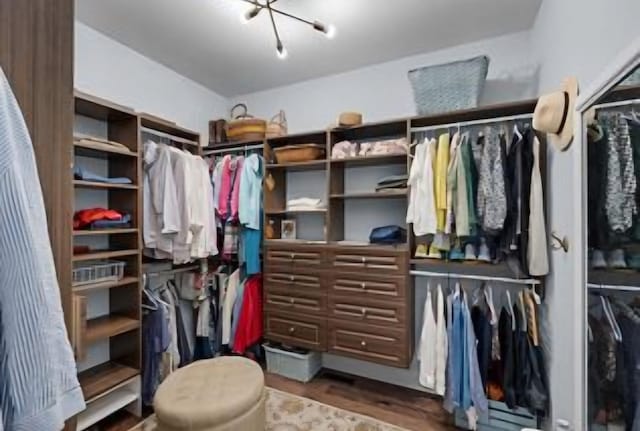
[[472, 123], [169, 136], [172, 271], [244, 148], [613, 287], [526, 281], [618, 104]]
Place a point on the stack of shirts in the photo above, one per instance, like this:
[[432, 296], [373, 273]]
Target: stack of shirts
[[86, 175], [100, 218], [392, 183], [304, 204]]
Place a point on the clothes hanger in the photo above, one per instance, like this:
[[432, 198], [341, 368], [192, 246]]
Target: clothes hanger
[[488, 294], [610, 319], [516, 131], [525, 322], [510, 310]]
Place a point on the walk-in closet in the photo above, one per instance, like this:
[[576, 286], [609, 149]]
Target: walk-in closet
[[319, 215]]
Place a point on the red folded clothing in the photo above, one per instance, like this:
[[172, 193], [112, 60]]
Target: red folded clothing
[[85, 217]]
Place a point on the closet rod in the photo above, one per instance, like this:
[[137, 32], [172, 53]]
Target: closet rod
[[233, 150], [169, 136], [472, 122], [172, 271], [528, 281], [617, 104], [613, 287]]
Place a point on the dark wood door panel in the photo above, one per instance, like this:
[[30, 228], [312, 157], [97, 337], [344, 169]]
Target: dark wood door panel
[[365, 310], [296, 330], [370, 343]]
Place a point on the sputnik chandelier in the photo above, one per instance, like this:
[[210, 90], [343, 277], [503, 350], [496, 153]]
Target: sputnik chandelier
[[258, 6]]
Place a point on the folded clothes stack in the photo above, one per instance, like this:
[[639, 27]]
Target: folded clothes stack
[[304, 204], [86, 175], [392, 183], [100, 218], [345, 149]]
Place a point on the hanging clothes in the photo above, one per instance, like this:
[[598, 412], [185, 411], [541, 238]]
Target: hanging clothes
[[492, 197], [249, 330], [441, 344], [537, 250], [471, 179], [230, 294], [440, 181], [427, 349], [250, 212]]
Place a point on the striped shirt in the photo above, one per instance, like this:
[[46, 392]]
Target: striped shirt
[[38, 383]]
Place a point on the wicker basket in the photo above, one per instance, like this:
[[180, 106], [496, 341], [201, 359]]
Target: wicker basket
[[277, 126], [298, 153], [245, 127], [449, 87]]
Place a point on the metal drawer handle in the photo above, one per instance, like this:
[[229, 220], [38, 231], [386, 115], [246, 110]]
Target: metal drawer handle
[[363, 285], [293, 301], [364, 311], [292, 277], [292, 330], [364, 259], [363, 344], [293, 256]]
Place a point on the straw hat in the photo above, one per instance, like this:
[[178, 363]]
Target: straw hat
[[554, 114]]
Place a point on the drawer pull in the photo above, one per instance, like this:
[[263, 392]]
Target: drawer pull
[[293, 256], [292, 278], [292, 330], [363, 285], [293, 301], [364, 311], [363, 344], [364, 259]]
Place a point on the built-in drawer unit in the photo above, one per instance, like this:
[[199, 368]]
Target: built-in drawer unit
[[370, 259], [292, 299], [302, 280], [364, 310], [303, 257], [365, 285], [296, 330]]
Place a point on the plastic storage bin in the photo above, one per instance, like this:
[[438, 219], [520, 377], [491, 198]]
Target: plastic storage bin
[[97, 272], [296, 366]]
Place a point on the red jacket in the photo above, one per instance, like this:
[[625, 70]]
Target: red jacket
[[249, 330]]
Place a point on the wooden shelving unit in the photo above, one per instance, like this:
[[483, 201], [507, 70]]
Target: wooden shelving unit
[[104, 327], [114, 382]]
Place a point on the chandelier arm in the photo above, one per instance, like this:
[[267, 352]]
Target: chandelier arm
[[278, 11], [255, 3], [273, 23]]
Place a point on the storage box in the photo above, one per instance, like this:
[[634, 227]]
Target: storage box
[[97, 272], [296, 366], [501, 418]]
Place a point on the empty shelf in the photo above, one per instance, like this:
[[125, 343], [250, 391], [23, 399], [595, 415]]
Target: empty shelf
[[95, 185], [109, 326], [106, 254], [97, 380], [92, 232], [307, 211], [106, 285]]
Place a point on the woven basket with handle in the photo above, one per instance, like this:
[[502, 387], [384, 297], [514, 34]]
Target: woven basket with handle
[[245, 127], [277, 126]]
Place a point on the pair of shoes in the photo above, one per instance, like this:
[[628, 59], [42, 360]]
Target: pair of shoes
[[483, 256], [616, 259], [421, 251], [434, 253]]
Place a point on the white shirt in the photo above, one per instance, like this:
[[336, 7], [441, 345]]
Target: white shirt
[[427, 351], [537, 252], [227, 308], [39, 387], [422, 206]]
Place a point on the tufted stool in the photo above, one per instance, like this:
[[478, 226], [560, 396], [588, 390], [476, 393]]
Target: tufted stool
[[222, 394]]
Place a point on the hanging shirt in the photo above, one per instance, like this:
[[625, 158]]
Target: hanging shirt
[[427, 350], [442, 344], [250, 195], [537, 253], [492, 198], [227, 308], [38, 383], [422, 207], [442, 162]]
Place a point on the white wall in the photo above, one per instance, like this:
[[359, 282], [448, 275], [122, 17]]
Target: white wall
[[573, 37], [383, 91], [108, 69]]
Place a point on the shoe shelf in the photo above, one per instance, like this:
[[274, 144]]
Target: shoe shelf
[[477, 268]]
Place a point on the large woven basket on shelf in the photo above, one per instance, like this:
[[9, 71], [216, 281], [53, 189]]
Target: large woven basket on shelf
[[277, 126], [245, 127], [449, 87]]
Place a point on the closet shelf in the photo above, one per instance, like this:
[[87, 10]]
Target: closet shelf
[[310, 165], [95, 232], [88, 150], [371, 160], [614, 277], [307, 211], [372, 195], [98, 380], [109, 326], [104, 255], [106, 285], [500, 270], [94, 185]]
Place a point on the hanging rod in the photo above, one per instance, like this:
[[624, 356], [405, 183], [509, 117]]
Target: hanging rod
[[613, 287], [527, 281], [169, 136], [472, 122], [617, 104], [233, 150], [172, 271]]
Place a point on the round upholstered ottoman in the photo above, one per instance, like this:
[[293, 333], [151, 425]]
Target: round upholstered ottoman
[[222, 394]]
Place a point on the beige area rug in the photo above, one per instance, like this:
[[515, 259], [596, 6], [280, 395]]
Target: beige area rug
[[287, 412]]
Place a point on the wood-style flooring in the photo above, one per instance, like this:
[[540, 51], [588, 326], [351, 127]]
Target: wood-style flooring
[[398, 406]]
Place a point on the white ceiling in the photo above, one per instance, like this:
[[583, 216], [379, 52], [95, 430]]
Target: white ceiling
[[206, 41]]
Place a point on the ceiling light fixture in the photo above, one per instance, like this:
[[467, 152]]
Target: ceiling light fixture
[[328, 30]]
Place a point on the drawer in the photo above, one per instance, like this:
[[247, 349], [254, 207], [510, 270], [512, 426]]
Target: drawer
[[370, 343], [278, 277], [295, 300], [364, 310], [296, 330], [369, 260], [303, 257], [369, 286]]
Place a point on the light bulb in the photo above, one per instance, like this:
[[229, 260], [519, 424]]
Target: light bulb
[[282, 51], [331, 31], [250, 14]]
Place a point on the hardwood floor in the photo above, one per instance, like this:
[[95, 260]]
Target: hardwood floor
[[398, 406]]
